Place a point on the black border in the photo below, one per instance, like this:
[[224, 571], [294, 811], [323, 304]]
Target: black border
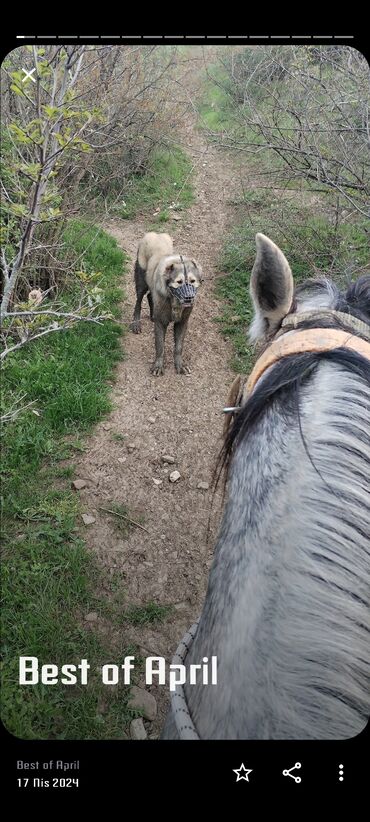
[[138, 772]]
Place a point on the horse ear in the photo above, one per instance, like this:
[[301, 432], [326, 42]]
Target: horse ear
[[271, 288]]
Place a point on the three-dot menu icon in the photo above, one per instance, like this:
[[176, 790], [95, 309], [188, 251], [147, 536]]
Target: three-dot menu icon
[[341, 773]]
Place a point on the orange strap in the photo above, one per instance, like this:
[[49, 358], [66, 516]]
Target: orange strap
[[298, 342]]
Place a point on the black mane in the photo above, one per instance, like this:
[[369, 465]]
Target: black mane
[[285, 376]]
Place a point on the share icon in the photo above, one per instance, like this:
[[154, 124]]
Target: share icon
[[287, 772]]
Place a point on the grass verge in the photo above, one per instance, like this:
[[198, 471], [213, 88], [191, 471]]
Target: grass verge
[[165, 186], [49, 580]]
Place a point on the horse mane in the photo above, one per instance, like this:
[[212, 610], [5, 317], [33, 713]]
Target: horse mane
[[286, 376], [289, 374]]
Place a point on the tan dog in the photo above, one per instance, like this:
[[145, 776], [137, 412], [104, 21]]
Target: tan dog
[[171, 282]]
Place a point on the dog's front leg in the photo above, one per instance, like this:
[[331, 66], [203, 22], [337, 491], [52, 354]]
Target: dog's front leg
[[179, 331], [141, 289], [159, 335], [150, 303]]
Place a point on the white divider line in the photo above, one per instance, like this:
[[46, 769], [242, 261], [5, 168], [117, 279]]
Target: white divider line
[[185, 37]]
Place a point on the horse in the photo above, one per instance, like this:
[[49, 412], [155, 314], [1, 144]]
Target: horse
[[286, 611]]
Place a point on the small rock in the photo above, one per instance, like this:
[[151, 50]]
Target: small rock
[[143, 700], [203, 486], [122, 459], [181, 606], [157, 481], [140, 552], [174, 476], [151, 419], [137, 730], [168, 458], [131, 447], [92, 617], [88, 519], [175, 217], [78, 484]]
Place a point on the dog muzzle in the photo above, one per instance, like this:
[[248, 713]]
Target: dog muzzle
[[185, 293]]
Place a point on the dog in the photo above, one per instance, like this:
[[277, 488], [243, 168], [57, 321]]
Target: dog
[[171, 282]]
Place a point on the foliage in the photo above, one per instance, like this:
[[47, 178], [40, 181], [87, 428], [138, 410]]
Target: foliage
[[313, 245], [49, 581], [306, 109], [165, 187], [87, 127]]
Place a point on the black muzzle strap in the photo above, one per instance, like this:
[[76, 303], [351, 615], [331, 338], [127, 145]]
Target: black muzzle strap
[[185, 293]]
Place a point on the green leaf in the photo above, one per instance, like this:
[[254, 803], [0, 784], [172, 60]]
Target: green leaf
[[19, 134], [18, 209], [51, 111], [17, 90], [31, 169]]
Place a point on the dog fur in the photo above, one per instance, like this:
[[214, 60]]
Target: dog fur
[[158, 269]]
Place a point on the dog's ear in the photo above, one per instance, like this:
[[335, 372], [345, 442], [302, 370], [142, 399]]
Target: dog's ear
[[199, 270]]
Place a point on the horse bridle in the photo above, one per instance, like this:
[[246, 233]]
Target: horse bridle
[[291, 339]]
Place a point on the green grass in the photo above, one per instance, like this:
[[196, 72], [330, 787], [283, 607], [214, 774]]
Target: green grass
[[166, 183], [65, 374], [216, 108], [117, 437], [147, 614], [49, 580]]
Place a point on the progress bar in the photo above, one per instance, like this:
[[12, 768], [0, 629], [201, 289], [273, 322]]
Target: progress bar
[[185, 37]]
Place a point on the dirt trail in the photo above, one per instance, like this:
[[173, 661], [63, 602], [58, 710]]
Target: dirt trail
[[170, 565]]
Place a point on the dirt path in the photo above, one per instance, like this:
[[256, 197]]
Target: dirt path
[[175, 415]]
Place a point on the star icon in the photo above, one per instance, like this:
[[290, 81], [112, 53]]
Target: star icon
[[244, 775]]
